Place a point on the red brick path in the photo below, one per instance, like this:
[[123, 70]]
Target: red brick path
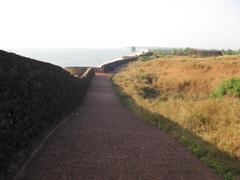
[[104, 141]]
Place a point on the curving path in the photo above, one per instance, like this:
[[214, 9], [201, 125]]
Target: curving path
[[104, 141]]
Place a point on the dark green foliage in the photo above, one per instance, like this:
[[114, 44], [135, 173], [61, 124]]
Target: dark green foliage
[[231, 52], [229, 87], [172, 51], [208, 156], [161, 52], [144, 58], [149, 92], [187, 52], [147, 78]]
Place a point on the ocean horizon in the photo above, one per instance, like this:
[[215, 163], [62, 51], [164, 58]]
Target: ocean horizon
[[65, 57]]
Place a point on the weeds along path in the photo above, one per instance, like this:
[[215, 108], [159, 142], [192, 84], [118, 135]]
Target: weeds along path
[[103, 140]]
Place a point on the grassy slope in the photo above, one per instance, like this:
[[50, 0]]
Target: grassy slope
[[174, 93]]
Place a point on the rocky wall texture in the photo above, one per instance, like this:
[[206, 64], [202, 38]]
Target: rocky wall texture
[[34, 96]]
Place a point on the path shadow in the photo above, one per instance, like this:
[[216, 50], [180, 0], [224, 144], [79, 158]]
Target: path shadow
[[221, 162]]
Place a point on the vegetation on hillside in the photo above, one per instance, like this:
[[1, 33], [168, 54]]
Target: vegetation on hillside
[[229, 87], [161, 52], [196, 100]]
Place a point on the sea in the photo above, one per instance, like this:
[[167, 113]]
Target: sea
[[65, 57]]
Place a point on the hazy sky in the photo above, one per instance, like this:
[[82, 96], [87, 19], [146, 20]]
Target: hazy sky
[[119, 23]]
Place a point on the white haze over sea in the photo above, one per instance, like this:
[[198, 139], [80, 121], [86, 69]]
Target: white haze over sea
[[72, 57]]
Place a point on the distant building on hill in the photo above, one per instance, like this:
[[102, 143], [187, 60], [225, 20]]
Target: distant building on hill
[[204, 53]]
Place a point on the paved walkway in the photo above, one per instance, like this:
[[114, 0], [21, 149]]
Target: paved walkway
[[104, 141]]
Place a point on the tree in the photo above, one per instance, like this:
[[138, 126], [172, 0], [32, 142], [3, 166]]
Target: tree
[[187, 51], [238, 52], [230, 52], [174, 51]]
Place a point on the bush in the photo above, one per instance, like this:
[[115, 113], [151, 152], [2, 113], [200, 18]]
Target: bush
[[147, 78], [149, 92], [229, 87]]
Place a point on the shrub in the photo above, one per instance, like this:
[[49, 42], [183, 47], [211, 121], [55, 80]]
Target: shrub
[[229, 87], [147, 78], [149, 92]]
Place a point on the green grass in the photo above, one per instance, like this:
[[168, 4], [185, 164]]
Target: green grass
[[229, 87]]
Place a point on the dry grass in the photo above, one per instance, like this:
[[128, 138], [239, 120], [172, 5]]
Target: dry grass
[[179, 89]]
